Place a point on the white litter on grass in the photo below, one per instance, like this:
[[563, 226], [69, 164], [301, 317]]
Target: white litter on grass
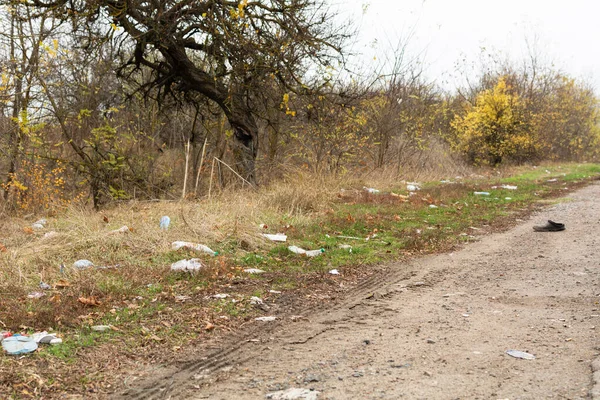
[[481, 193], [101, 328], [193, 246], [83, 264], [275, 291], [265, 319], [508, 198], [192, 264], [279, 237], [253, 271], [433, 206], [165, 221], [552, 180], [412, 187], [371, 190], [123, 229], [520, 354], [256, 300], [334, 272], [294, 394], [50, 234], [308, 253], [509, 187], [37, 226], [346, 247], [220, 296]]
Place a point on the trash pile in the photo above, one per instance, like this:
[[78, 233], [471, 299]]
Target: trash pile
[[17, 344]]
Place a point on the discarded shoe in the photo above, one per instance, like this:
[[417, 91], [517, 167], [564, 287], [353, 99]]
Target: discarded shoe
[[551, 226]]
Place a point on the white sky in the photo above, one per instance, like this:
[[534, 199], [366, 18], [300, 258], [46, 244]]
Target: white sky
[[444, 32]]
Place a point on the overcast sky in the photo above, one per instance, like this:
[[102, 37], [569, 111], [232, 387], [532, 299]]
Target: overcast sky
[[443, 32]]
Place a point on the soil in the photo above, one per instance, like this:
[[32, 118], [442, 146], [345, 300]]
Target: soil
[[438, 327]]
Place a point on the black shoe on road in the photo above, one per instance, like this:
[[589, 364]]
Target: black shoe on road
[[551, 226]]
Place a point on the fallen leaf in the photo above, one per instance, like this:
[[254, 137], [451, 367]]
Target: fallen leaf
[[62, 284], [2, 248], [158, 339], [209, 326], [105, 219], [28, 230], [89, 301]]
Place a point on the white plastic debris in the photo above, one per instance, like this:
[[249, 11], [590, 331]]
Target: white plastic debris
[[50, 234], [220, 296], [41, 221], [83, 264], [509, 187], [371, 190], [256, 300], [334, 272], [265, 319], [412, 186], [36, 295], [193, 264], [274, 291], [101, 328], [278, 237], [253, 271], [520, 354], [346, 247], [165, 221], [45, 286], [123, 229], [193, 246], [552, 180], [508, 198], [308, 253], [46, 338], [481, 193], [433, 206], [294, 394], [18, 344], [37, 226]]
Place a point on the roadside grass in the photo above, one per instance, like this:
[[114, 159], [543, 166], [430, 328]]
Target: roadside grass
[[152, 310]]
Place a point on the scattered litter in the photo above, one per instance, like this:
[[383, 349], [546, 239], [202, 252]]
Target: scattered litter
[[193, 264], [308, 253], [433, 206], [349, 237], [371, 190], [220, 296], [445, 181], [294, 394], [123, 229], [253, 271], [36, 295], [265, 319], [412, 187], [46, 338], [520, 354], [193, 246], [481, 193], [18, 344], [552, 180], [37, 226], [334, 272], [42, 221], [49, 235], [508, 198], [509, 187], [279, 237], [256, 300], [45, 286], [182, 298], [83, 264], [275, 291], [346, 247], [165, 221], [101, 328]]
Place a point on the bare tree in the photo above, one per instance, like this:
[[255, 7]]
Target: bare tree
[[222, 50]]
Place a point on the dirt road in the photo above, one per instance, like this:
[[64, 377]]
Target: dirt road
[[437, 328]]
